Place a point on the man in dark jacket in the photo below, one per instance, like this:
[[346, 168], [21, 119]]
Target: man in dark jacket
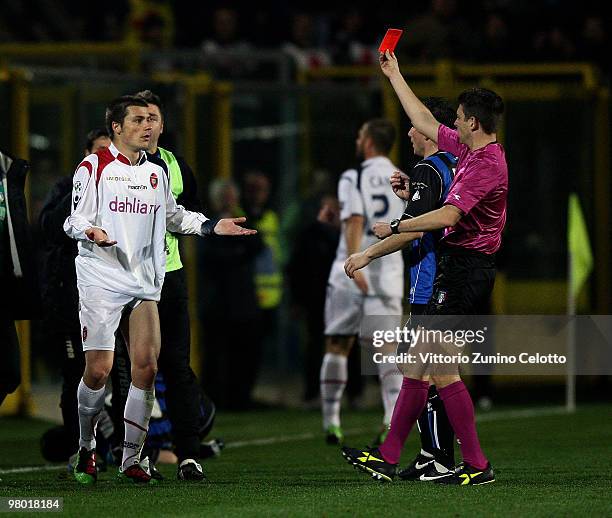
[[17, 268], [60, 295]]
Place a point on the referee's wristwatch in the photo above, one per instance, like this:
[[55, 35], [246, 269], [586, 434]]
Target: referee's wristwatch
[[395, 226]]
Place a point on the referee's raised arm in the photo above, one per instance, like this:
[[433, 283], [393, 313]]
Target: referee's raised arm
[[419, 115]]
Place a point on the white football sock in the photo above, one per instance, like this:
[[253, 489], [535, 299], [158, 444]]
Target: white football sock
[[390, 385], [334, 373], [90, 403], [138, 407]]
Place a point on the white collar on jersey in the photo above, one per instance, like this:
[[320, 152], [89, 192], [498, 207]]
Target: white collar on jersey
[[123, 159], [369, 161]]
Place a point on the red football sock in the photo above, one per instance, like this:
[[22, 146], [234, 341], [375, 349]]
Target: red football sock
[[460, 411], [408, 407]]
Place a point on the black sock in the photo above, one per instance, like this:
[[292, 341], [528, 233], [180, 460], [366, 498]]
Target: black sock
[[442, 435], [423, 422]]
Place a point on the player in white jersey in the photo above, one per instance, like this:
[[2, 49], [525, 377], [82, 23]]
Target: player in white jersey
[[121, 208], [365, 195]]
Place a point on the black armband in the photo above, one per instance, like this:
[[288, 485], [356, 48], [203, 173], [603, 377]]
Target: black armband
[[208, 227]]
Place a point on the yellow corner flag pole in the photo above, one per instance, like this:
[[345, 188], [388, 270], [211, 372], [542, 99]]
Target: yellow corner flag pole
[[579, 267]]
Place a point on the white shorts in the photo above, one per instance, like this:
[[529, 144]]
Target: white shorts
[[100, 312], [344, 311]]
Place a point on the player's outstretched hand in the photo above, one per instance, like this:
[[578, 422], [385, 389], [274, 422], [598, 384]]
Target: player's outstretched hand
[[355, 262], [400, 183], [388, 63], [381, 229], [99, 237], [230, 227]]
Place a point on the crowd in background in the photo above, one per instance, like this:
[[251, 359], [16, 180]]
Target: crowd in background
[[475, 31]]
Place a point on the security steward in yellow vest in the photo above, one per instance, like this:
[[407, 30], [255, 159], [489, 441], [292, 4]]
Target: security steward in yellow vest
[[182, 387], [268, 274]]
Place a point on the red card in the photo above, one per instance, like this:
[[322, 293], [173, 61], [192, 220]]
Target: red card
[[390, 40]]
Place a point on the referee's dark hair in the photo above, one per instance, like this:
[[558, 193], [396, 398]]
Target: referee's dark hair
[[442, 110], [382, 133], [118, 108], [484, 105], [94, 135], [152, 98]]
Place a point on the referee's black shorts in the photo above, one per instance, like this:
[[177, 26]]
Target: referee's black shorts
[[462, 288], [463, 284]]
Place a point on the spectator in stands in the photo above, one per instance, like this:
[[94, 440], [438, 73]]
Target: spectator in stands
[[594, 43], [268, 272], [441, 33], [553, 43], [302, 46], [496, 43], [226, 40], [350, 45], [314, 250], [151, 22], [228, 307]]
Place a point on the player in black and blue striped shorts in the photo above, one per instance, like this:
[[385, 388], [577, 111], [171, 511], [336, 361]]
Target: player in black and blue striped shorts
[[426, 190]]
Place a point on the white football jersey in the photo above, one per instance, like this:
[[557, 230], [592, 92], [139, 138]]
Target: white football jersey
[[368, 193], [133, 204]]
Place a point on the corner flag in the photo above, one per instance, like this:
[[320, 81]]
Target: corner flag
[[578, 244]]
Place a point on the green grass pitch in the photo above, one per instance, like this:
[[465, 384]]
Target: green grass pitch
[[276, 464]]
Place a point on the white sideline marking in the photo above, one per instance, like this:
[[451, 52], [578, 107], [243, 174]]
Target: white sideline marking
[[519, 414], [491, 416], [481, 418], [290, 438], [32, 469]]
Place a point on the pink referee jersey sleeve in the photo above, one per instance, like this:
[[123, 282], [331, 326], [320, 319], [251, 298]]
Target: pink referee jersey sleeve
[[448, 140]]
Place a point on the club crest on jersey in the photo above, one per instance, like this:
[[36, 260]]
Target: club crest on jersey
[[154, 180]]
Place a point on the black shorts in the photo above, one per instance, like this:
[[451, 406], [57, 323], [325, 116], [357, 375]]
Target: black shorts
[[418, 309], [463, 284]]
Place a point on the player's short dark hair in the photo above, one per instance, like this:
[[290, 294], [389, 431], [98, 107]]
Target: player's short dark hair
[[382, 133], [152, 98], [442, 110], [118, 108], [94, 135], [483, 104]]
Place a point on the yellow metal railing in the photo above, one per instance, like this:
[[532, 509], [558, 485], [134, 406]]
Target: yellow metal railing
[[446, 72], [126, 55]]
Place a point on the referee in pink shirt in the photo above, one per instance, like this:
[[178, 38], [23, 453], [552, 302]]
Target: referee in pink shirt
[[473, 218]]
